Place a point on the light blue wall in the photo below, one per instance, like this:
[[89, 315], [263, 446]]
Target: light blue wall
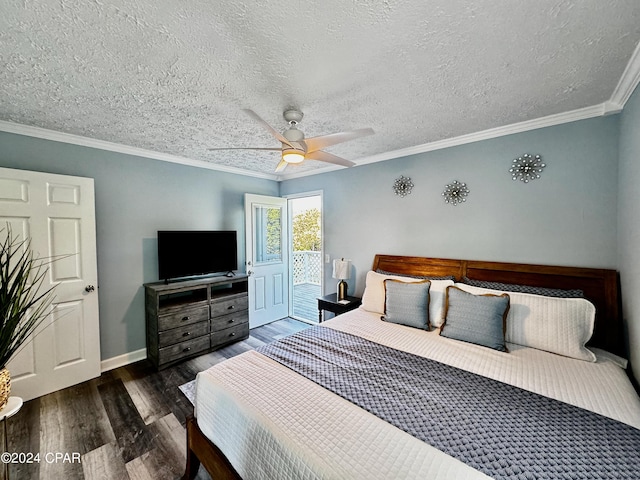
[[629, 224], [567, 217], [135, 197]]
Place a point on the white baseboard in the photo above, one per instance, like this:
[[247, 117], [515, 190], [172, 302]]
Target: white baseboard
[[122, 360]]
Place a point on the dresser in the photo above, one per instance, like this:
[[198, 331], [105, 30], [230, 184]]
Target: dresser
[[192, 317]]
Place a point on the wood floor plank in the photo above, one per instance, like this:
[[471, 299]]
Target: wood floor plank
[[78, 411], [270, 332], [168, 382], [24, 437], [253, 342], [148, 401], [171, 431], [167, 458], [206, 361], [104, 463], [137, 470], [72, 421], [235, 349], [131, 433]]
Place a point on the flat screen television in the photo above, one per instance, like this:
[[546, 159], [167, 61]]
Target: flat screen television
[[189, 253]]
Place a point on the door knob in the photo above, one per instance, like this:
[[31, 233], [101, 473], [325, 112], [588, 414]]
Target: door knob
[[89, 288], [249, 272]]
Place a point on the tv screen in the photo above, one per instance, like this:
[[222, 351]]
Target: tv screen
[[191, 253]]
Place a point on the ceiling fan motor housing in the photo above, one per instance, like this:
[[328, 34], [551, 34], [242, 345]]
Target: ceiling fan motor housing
[[293, 134], [295, 152], [293, 115]]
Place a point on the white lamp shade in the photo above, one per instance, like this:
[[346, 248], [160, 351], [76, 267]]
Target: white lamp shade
[[341, 269]]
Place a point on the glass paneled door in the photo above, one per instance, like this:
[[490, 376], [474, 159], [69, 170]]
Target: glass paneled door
[[267, 259]]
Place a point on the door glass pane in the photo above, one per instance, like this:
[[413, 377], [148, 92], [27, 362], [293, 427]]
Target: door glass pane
[[267, 229]]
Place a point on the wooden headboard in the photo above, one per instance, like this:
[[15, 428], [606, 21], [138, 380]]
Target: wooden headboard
[[600, 286]]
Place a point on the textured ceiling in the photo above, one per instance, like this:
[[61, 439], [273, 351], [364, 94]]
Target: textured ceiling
[[173, 77]]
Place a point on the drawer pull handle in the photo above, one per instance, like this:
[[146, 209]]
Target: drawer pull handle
[[186, 349], [231, 307], [186, 334], [232, 320], [232, 334], [184, 319]]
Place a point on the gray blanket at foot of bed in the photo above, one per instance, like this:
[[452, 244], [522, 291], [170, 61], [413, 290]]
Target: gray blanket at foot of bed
[[501, 430]]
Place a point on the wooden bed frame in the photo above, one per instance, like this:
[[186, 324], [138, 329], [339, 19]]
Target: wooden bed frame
[[600, 286]]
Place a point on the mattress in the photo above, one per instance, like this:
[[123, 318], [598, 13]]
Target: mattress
[[272, 423]]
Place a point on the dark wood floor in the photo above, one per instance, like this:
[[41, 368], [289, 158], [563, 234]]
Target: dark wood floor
[[126, 424]]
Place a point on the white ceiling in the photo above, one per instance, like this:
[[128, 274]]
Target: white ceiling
[[173, 77]]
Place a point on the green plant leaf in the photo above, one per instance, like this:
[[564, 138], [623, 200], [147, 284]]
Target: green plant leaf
[[24, 300]]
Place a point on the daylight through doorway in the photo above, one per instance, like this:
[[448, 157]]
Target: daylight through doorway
[[306, 256]]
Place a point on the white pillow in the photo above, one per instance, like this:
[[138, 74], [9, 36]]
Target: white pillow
[[556, 325], [374, 294]]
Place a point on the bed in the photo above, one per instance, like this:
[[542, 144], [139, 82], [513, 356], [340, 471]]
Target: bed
[[255, 417]]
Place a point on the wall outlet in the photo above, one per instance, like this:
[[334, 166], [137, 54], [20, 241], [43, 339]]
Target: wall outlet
[[327, 258]]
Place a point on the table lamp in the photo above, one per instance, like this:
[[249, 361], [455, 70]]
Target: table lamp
[[341, 270]]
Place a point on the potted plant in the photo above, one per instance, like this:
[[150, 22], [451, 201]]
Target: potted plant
[[24, 301]]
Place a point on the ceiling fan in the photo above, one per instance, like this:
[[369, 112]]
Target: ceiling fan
[[295, 148]]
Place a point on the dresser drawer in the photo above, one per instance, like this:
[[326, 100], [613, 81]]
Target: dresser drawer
[[183, 317], [228, 335], [183, 349], [181, 334], [227, 321], [229, 306]]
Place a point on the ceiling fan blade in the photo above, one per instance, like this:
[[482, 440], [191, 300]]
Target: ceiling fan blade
[[272, 130], [329, 158], [281, 166], [324, 141], [245, 148]]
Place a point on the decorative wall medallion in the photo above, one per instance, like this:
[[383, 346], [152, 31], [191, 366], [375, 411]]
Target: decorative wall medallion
[[527, 168], [455, 193], [402, 186]]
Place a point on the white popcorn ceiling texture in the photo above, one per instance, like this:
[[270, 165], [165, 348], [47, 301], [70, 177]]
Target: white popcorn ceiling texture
[[172, 77]]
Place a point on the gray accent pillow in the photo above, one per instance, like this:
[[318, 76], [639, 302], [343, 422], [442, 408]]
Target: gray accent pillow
[[479, 319], [407, 303], [511, 287]]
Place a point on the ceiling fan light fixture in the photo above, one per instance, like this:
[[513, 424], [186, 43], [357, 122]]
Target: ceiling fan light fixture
[[295, 149], [291, 155]]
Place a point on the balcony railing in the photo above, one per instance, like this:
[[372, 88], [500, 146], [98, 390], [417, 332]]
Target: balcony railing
[[307, 267]]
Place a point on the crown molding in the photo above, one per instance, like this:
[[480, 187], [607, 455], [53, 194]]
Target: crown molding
[[520, 127], [629, 80], [599, 110], [625, 88], [61, 137]]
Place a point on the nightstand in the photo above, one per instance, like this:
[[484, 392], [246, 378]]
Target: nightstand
[[330, 303]]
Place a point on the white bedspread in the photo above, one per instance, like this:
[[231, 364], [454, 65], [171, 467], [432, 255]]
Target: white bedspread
[[272, 423]]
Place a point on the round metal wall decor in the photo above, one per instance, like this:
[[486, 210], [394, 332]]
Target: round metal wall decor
[[402, 186], [526, 168], [456, 192]]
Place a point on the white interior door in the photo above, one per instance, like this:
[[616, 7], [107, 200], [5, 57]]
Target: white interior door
[[57, 212], [267, 258]]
